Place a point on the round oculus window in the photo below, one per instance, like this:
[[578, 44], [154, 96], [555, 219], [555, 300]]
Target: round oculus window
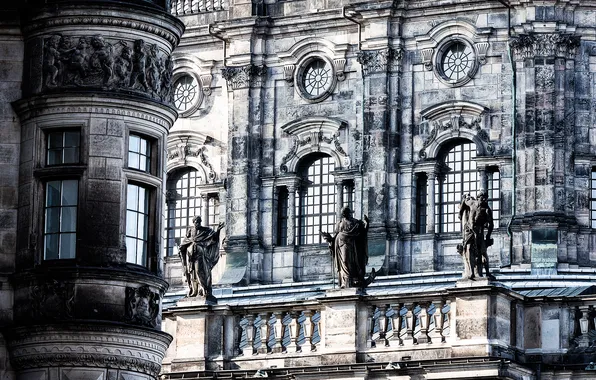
[[316, 78], [457, 61], [185, 93]]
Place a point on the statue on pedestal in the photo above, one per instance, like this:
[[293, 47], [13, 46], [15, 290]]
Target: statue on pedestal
[[475, 215], [199, 252], [349, 250]]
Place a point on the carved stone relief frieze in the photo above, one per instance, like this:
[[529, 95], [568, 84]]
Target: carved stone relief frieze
[[52, 300], [142, 306], [378, 61], [545, 45], [314, 140], [94, 62], [244, 76]]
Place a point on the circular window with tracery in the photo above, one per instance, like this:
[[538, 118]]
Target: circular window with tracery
[[315, 79], [186, 93], [456, 62]]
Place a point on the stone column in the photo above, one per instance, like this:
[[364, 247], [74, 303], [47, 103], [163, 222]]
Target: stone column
[[339, 193], [545, 70], [291, 214]]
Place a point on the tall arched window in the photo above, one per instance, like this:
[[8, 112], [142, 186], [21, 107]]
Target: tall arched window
[[460, 177], [316, 204], [184, 202]]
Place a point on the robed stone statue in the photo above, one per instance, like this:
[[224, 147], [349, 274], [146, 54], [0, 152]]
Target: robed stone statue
[[476, 216], [199, 252], [349, 250]]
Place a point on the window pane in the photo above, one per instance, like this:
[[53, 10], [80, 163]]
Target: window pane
[[70, 192], [134, 143], [71, 155], [51, 246], [55, 140], [132, 197], [131, 250], [67, 246], [133, 160], [54, 157], [53, 193], [69, 219], [52, 220]]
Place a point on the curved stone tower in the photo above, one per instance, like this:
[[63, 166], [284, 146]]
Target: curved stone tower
[[95, 113]]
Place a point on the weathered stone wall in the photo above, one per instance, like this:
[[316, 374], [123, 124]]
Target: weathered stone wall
[[11, 74]]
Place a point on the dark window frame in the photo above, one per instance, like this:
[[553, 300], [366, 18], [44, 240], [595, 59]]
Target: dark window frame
[[60, 208]]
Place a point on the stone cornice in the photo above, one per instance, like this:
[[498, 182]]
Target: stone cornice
[[117, 106], [170, 28]]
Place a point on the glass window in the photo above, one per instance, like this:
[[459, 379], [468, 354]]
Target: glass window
[[494, 194], [60, 230], [315, 78], [184, 203], [63, 147], [213, 211], [316, 201], [137, 224], [461, 178], [139, 153], [282, 216], [348, 194], [185, 93], [457, 61]]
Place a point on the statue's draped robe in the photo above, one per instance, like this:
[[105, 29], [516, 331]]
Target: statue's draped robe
[[350, 250], [202, 250]]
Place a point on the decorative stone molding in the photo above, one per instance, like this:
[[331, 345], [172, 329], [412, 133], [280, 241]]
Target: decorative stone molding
[[190, 149], [481, 49], [561, 45], [52, 300], [142, 306], [289, 74], [339, 65], [314, 135], [379, 61], [451, 120], [244, 76], [427, 58], [96, 346], [92, 62], [89, 21], [206, 80]]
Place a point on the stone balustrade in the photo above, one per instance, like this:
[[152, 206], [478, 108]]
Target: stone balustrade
[[188, 7]]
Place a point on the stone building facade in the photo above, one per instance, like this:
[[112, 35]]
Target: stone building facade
[[287, 112], [291, 110]]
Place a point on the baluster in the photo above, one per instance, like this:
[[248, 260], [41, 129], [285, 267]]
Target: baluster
[[293, 331], [186, 9], [271, 337], [286, 340], [584, 326], [410, 324], [383, 325], [257, 340], [401, 323], [243, 342], [437, 318], [446, 312], [307, 327], [201, 6], [424, 319], [278, 330], [315, 336], [389, 325], [373, 321], [194, 7], [300, 334]]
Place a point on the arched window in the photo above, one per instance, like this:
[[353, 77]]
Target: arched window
[[184, 202], [460, 177], [316, 203]]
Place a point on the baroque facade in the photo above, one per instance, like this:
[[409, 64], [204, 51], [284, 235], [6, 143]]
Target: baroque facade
[[292, 110], [289, 111]]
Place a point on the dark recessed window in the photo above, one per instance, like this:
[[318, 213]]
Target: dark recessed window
[[421, 203], [139, 153], [494, 193], [63, 147], [282, 216], [60, 211]]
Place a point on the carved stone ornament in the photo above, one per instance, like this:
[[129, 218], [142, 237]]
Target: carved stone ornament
[[314, 140], [427, 55], [93, 62], [289, 74], [52, 300], [545, 45], [189, 150], [379, 61], [340, 65], [142, 306], [456, 123], [244, 76]]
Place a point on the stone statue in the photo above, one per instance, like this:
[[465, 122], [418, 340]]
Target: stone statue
[[349, 250], [475, 216], [51, 60], [199, 252]]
